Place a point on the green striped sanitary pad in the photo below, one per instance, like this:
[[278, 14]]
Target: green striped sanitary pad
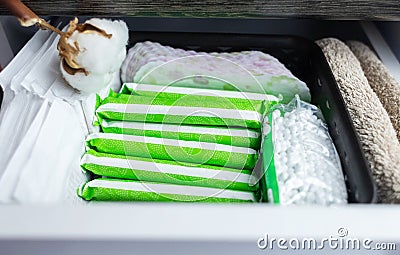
[[128, 190], [183, 109], [230, 136], [177, 92], [176, 150], [165, 171]]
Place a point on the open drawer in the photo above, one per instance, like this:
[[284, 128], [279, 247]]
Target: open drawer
[[227, 228]]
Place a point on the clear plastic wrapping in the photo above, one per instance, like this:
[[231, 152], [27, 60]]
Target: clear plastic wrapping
[[305, 167]]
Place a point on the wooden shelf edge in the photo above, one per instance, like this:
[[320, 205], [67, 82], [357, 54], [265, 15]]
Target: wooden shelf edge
[[322, 9]]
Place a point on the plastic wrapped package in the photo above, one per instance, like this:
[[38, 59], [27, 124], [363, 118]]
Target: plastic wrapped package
[[177, 92], [203, 133], [230, 136], [177, 150], [188, 109], [104, 189], [304, 167], [247, 71], [166, 171]]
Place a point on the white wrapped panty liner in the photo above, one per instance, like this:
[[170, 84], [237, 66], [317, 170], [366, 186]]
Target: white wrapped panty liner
[[126, 190], [176, 150]]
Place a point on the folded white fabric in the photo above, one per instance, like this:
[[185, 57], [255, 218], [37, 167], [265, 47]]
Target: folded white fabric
[[28, 77], [13, 160], [44, 174], [24, 56], [38, 125], [17, 119], [36, 173]]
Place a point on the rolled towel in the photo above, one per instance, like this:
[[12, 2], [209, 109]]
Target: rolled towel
[[371, 121], [385, 86]]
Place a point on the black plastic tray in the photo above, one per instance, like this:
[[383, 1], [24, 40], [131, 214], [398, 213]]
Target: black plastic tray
[[306, 61]]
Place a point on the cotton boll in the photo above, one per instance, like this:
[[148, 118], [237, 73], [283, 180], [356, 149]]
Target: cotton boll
[[120, 58], [117, 28], [91, 52], [90, 83], [98, 53]]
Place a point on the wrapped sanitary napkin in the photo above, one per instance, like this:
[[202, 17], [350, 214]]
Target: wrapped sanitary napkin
[[105, 189]]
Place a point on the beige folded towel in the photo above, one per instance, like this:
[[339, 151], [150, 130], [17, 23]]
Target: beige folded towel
[[385, 86], [372, 123]]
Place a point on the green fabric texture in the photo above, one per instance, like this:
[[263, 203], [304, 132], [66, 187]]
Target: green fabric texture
[[176, 150], [164, 171], [126, 190], [222, 135], [183, 109]]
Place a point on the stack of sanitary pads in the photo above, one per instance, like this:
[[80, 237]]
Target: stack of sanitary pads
[[160, 143]]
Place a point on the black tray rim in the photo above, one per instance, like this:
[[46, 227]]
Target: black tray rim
[[317, 50]]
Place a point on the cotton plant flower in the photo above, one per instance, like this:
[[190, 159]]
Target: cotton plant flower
[[91, 52]]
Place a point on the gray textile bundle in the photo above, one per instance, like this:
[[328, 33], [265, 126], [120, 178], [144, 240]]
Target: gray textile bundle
[[381, 81], [372, 123]]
